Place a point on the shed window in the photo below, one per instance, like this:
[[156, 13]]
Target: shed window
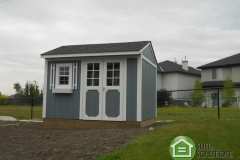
[[93, 74], [113, 74], [64, 75], [217, 73]]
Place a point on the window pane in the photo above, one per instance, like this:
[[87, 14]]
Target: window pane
[[96, 74], [67, 73], [61, 78], [109, 74], [96, 66], [90, 66], [109, 82], [61, 73], [116, 65], [96, 82], [66, 69], [116, 73], [214, 73], [89, 82], [90, 74], [109, 66], [116, 82], [61, 68]]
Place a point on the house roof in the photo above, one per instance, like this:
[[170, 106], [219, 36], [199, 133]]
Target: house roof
[[225, 62], [209, 84], [171, 67], [98, 48]]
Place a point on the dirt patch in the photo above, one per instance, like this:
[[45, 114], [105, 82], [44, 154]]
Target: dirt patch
[[30, 141]]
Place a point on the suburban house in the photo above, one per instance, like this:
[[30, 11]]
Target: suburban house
[[214, 75], [173, 76], [100, 86]]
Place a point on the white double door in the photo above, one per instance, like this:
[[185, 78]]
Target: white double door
[[103, 90]]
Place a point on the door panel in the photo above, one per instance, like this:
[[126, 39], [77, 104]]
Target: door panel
[[112, 103], [92, 103], [92, 94], [113, 90]]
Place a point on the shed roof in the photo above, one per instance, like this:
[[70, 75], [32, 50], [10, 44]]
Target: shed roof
[[98, 48], [225, 62], [170, 67]]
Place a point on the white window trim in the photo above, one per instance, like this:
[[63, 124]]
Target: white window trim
[[59, 86]]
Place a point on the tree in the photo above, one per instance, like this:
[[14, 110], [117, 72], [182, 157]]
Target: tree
[[18, 88], [31, 89], [228, 93], [197, 95]]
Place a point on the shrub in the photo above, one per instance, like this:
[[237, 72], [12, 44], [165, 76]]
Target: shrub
[[4, 100]]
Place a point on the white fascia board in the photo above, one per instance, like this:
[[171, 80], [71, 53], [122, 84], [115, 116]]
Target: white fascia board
[[91, 54], [147, 60], [151, 49]]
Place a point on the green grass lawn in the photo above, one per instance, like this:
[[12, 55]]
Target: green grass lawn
[[200, 124], [222, 134], [183, 113], [21, 112]]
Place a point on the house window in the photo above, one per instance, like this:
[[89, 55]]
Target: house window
[[217, 73], [63, 76], [113, 74]]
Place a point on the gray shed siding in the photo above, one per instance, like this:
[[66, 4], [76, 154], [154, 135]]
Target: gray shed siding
[[61, 105], [131, 105], [148, 53], [148, 91]]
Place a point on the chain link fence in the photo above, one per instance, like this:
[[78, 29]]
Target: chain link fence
[[22, 108], [210, 103]]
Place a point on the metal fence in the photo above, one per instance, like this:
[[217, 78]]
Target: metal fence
[[199, 104], [21, 107]]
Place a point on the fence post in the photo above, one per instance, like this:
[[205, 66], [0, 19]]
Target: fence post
[[32, 108], [218, 104]]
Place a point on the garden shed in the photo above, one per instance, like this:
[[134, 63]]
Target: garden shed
[[109, 85]]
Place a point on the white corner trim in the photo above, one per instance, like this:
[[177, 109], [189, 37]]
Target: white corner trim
[[76, 68], [156, 94], [145, 58], [91, 54], [45, 89], [81, 90], [124, 106], [139, 88]]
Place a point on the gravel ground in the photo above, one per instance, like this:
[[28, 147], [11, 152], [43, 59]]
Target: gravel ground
[[28, 140]]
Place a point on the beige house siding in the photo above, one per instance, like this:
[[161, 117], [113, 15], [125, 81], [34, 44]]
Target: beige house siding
[[236, 74]]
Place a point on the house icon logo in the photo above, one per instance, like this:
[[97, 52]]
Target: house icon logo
[[182, 148]]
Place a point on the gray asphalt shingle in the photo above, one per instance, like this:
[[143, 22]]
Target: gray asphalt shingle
[[98, 48], [169, 67], [228, 61]]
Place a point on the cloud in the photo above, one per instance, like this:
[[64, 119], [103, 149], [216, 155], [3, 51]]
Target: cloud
[[203, 31]]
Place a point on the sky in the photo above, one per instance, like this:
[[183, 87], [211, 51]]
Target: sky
[[203, 31]]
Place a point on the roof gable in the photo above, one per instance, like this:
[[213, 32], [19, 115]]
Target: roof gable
[[171, 67], [228, 61], [97, 48]]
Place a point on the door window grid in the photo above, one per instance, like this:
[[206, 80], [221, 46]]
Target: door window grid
[[93, 74], [113, 74], [64, 75]]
